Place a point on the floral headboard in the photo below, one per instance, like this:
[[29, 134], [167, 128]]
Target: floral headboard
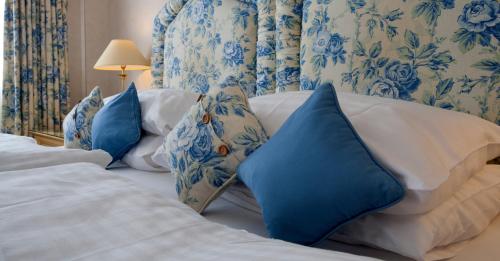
[[199, 43], [443, 53]]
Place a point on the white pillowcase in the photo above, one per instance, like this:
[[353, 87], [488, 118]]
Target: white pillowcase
[[440, 233], [161, 156], [140, 157], [161, 109], [431, 151]]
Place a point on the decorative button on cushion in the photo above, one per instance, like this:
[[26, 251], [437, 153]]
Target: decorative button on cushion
[[208, 144], [78, 123]]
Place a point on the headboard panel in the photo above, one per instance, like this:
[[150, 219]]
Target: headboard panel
[[161, 22], [410, 50], [439, 53], [207, 42]]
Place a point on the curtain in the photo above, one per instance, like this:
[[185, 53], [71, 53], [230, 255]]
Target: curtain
[[35, 85]]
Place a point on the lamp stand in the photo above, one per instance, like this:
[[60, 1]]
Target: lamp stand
[[123, 76]]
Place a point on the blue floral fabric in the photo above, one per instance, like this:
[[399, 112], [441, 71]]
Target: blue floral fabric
[[207, 145], [288, 32], [78, 123], [209, 41], [35, 86], [266, 47], [166, 15], [442, 53]]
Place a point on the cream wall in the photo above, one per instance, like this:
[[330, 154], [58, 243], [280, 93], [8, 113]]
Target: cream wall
[[92, 24]]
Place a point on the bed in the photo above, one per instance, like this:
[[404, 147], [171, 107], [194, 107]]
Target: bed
[[60, 204], [95, 215], [235, 209]]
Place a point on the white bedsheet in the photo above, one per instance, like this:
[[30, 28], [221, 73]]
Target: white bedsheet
[[234, 210], [237, 208], [17, 152], [80, 211]]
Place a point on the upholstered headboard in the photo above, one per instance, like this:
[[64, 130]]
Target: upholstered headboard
[[436, 52], [199, 43]]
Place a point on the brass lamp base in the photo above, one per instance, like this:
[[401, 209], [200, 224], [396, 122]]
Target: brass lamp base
[[123, 76]]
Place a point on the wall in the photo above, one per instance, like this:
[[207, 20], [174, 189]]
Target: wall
[[92, 24]]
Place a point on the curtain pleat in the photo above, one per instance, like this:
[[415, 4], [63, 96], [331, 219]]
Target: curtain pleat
[[35, 87]]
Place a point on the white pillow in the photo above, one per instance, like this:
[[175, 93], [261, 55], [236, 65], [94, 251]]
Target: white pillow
[[161, 109], [161, 156], [431, 151], [140, 157], [438, 234]]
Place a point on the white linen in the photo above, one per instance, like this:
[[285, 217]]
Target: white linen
[[18, 153], [430, 150], [442, 232], [229, 210], [161, 157], [80, 211], [161, 109], [141, 156], [225, 212]]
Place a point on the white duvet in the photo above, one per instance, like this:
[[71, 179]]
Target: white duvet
[[17, 152], [80, 211]]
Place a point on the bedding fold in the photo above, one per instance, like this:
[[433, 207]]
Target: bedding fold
[[17, 153]]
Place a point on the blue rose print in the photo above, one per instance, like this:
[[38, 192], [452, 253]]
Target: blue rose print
[[384, 88], [264, 50], [233, 54], [199, 13], [477, 16], [449, 4], [336, 48], [200, 83], [185, 134], [322, 43], [308, 84], [288, 76], [263, 80], [404, 76], [202, 145], [330, 45]]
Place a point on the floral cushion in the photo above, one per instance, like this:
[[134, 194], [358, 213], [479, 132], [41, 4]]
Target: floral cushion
[[442, 53], [208, 144], [78, 123], [209, 41]]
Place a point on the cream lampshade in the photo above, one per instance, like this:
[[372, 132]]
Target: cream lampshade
[[122, 55]]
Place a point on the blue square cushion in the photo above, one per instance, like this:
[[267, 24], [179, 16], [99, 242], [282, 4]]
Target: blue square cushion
[[315, 174], [117, 126]]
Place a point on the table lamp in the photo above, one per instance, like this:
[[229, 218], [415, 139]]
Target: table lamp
[[122, 55]]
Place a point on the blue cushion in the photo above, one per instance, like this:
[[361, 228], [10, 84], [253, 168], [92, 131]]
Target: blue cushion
[[316, 174], [117, 126]]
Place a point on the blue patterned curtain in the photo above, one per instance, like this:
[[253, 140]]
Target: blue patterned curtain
[[35, 86]]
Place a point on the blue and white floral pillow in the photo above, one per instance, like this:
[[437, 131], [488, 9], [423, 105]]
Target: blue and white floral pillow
[[208, 144], [443, 53], [78, 123]]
